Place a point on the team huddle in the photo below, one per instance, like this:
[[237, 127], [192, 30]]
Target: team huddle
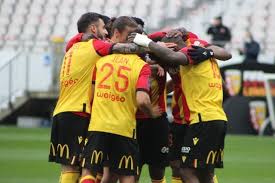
[[110, 118]]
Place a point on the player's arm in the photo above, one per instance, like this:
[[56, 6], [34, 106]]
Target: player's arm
[[142, 93], [157, 70], [104, 48], [210, 51], [128, 48], [167, 55]]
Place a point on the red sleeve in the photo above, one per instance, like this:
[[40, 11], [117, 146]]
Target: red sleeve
[[199, 42], [184, 50], [94, 76], [192, 35], [157, 36], [77, 38], [102, 48], [143, 83]]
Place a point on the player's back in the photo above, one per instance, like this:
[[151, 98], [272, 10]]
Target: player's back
[[75, 78], [202, 88], [114, 104]]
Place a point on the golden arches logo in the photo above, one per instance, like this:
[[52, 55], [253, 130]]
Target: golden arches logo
[[211, 156], [96, 156], [126, 160], [61, 149], [52, 149]]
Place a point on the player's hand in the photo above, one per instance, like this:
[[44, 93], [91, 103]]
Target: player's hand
[[156, 112], [199, 54], [167, 45], [161, 71], [142, 40], [131, 37]]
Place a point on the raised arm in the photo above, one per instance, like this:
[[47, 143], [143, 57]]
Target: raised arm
[[167, 55], [220, 53], [128, 48]]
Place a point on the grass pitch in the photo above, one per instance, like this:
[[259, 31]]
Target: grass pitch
[[24, 153]]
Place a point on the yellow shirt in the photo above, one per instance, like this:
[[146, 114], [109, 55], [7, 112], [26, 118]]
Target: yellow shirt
[[202, 91], [75, 78], [114, 103]]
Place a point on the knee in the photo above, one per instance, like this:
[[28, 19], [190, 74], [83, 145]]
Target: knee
[[68, 168]]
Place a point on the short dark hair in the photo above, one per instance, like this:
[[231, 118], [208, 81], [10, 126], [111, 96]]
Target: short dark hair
[[122, 22], [139, 21], [86, 20], [109, 26], [105, 19]]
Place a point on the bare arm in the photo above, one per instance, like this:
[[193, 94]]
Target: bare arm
[[167, 55], [128, 48], [220, 53], [144, 104]]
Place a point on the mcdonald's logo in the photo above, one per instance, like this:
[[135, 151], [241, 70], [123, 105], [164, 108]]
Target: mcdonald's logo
[[222, 154], [211, 156], [96, 156], [126, 161], [52, 149], [61, 149]]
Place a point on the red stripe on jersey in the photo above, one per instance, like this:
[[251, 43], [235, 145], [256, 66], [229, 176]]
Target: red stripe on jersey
[[177, 95], [162, 96], [186, 109], [177, 80]]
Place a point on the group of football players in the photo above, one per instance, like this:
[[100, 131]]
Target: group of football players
[[110, 118]]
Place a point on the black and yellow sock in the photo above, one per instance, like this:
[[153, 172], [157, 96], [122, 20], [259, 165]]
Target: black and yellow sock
[[87, 179], [69, 177], [215, 179], [176, 180]]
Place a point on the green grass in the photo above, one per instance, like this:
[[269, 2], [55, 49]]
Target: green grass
[[24, 153]]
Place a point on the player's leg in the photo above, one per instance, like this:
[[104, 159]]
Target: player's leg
[[189, 175], [67, 139], [127, 179], [175, 166], [86, 176], [108, 176], [95, 154], [157, 174], [176, 139], [203, 150], [158, 149], [142, 136], [206, 175], [124, 158]]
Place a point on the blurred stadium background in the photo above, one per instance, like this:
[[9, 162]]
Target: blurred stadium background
[[32, 38]]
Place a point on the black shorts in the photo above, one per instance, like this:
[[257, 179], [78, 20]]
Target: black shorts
[[115, 151], [176, 138], [203, 145], [68, 136], [152, 136]]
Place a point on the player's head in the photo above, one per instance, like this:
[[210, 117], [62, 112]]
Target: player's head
[[217, 21], [92, 23], [122, 27], [139, 21], [177, 40]]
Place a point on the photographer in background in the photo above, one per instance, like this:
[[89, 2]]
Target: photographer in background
[[251, 49], [220, 33]]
